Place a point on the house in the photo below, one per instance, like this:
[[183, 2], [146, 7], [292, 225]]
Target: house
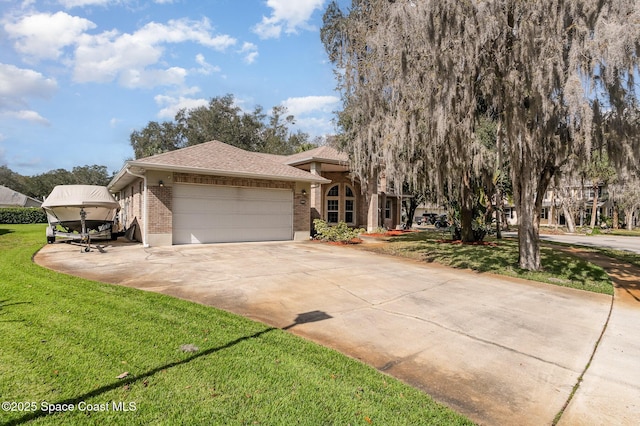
[[11, 198], [576, 196], [214, 192], [342, 199]]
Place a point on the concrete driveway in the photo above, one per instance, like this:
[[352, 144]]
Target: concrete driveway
[[501, 351]]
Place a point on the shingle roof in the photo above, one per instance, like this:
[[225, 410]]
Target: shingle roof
[[322, 153], [218, 157]]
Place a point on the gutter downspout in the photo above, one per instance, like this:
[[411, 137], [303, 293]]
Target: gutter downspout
[[145, 244]]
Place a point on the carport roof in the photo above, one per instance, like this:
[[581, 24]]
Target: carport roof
[[216, 158]]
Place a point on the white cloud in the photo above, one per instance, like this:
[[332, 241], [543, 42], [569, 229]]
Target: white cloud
[[311, 104], [68, 4], [182, 30], [104, 57], [17, 86], [26, 115], [130, 58], [18, 83], [287, 15], [205, 67], [316, 126], [250, 51], [144, 78], [44, 35], [313, 114], [171, 105]]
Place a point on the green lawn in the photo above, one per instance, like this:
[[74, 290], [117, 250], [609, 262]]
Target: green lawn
[[625, 232], [65, 340], [498, 257]]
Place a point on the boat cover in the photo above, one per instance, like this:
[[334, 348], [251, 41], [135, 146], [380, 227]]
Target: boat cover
[[80, 196]]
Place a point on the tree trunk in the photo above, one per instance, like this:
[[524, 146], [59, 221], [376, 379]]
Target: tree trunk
[[528, 238], [410, 207], [568, 217], [530, 184], [499, 183], [616, 217], [628, 215], [594, 208], [466, 210]]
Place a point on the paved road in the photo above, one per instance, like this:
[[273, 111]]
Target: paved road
[[607, 241], [500, 351]]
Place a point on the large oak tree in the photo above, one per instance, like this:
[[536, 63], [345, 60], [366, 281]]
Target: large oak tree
[[412, 73], [221, 119]]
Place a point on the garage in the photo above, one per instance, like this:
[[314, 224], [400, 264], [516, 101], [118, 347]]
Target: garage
[[218, 214]]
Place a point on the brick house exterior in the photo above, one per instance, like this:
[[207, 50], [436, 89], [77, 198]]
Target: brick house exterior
[[371, 209], [318, 181]]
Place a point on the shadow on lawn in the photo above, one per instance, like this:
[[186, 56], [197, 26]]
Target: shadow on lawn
[[303, 318], [501, 255], [4, 304], [4, 231], [137, 378]]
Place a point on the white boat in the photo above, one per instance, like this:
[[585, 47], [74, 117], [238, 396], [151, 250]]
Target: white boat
[[80, 212]]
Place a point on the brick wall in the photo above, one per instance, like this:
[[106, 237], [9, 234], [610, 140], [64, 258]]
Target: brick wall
[[160, 205], [301, 216], [131, 202], [231, 181]]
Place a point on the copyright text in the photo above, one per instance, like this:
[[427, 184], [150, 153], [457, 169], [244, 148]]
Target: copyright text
[[45, 407]]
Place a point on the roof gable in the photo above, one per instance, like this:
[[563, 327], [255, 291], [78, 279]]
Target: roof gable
[[216, 157], [322, 154]]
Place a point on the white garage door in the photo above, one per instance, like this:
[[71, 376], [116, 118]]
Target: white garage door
[[217, 214]]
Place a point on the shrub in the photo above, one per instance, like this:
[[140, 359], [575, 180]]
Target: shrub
[[339, 233], [22, 215]]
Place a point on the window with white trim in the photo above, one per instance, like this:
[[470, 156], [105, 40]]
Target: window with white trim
[[340, 204], [333, 204], [349, 205], [387, 209]]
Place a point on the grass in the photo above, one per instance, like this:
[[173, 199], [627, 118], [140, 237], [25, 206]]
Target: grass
[[65, 340], [498, 257], [625, 232]]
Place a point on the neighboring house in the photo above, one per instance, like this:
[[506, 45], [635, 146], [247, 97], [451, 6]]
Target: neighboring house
[[574, 193], [581, 197], [214, 192], [11, 198]]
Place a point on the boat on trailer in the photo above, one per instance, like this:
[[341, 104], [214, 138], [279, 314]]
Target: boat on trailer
[[81, 213]]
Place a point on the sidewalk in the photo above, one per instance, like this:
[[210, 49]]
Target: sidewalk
[[610, 389]]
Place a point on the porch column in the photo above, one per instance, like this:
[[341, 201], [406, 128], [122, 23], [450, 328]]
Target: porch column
[[373, 215], [315, 197]]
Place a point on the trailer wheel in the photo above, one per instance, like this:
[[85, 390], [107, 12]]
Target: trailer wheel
[[51, 240]]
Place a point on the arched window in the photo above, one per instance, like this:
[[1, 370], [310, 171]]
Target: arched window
[[340, 202], [349, 205], [333, 204]]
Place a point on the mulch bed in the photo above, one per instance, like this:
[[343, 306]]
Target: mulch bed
[[393, 233], [340, 243]]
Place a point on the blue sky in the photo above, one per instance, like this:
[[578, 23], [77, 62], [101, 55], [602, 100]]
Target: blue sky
[[78, 76]]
